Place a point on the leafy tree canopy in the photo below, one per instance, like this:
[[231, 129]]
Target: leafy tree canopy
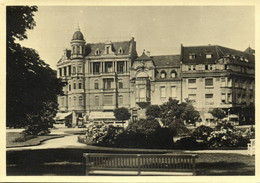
[[122, 114], [32, 86], [153, 111], [218, 113]]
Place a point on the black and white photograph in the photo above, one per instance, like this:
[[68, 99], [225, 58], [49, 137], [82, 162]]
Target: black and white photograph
[[96, 91]]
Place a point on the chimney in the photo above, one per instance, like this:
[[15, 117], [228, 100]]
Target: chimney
[[148, 53]]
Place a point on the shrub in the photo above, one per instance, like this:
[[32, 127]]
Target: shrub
[[189, 143], [202, 133], [161, 138]]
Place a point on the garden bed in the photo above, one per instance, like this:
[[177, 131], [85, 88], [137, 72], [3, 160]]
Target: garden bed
[[11, 136]]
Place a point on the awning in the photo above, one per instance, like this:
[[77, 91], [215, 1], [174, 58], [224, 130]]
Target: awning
[[61, 116], [101, 115]]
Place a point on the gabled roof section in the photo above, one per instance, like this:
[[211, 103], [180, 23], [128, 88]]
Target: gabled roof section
[[216, 52], [143, 57], [250, 50], [92, 47], [167, 60]]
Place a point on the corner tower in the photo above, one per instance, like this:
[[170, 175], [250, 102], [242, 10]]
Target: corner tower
[[78, 45]]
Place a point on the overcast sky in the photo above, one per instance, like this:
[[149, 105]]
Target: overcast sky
[[158, 29]]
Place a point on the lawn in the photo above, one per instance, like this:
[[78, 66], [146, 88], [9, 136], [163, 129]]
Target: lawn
[[11, 136], [71, 162]]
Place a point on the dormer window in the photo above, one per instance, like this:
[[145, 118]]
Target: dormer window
[[97, 52], [192, 56], [107, 49], [173, 74], [208, 56], [163, 74], [246, 60], [241, 58], [233, 57], [120, 51]]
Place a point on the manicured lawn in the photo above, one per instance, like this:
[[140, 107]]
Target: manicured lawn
[[11, 136], [71, 162]]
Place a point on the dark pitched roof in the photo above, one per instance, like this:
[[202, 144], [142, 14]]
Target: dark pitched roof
[[92, 47], [217, 53], [250, 50], [143, 57], [167, 60]]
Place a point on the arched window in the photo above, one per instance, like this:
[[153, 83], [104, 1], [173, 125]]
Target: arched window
[[97, 52], [80, 84], [78, 48], [74, 101], [163, 74], [80, 101], [173, 74], [74, 49], [120, 51], [79, 68]]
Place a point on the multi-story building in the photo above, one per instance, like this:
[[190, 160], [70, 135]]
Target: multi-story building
[[217, 77], [103, 76]]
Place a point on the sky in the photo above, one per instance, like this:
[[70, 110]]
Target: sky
[[158, 29]]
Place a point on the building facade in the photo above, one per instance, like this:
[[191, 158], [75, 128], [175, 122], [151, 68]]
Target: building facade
[[100, 77]]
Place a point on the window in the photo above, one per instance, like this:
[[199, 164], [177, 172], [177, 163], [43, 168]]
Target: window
[[173, 74], [79, 68], [80, 101], [96, 100], [60, 71], [69, 87], [163, 92], [209, 55], [163, 74], [78, 49], [69, 70], [229, 97], [194, 67], [75, 100], [74, 85], [192, 97], [107, 49], [209, 99], [229, 82], [210, 67], [96, 67], [120, 67], [173, 91], [192, 56], [74, 70], [226, 67], [62, 102], [97, 52], [108, 99], [120, 100], [209, 82], [108, 66], [223, 82], [206, 67], [246, 60], [65, 71], [108, 83], [120, 84], [80, 85], [223, 97], [189, 67], [69, 101], [96, 85], [192, 83], [239, 95], [120, 51], [142, 93]]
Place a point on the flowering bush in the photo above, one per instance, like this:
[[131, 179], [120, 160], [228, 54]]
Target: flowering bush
[[99, 134], [226, 136]]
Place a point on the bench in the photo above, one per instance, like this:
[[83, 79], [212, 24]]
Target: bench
[[139, 164], [251, 147]]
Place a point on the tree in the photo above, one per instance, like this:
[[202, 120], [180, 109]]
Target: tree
[[146, 126], [32, 86], [218, 113], [248, 113], [153, 111], [122, 114]]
